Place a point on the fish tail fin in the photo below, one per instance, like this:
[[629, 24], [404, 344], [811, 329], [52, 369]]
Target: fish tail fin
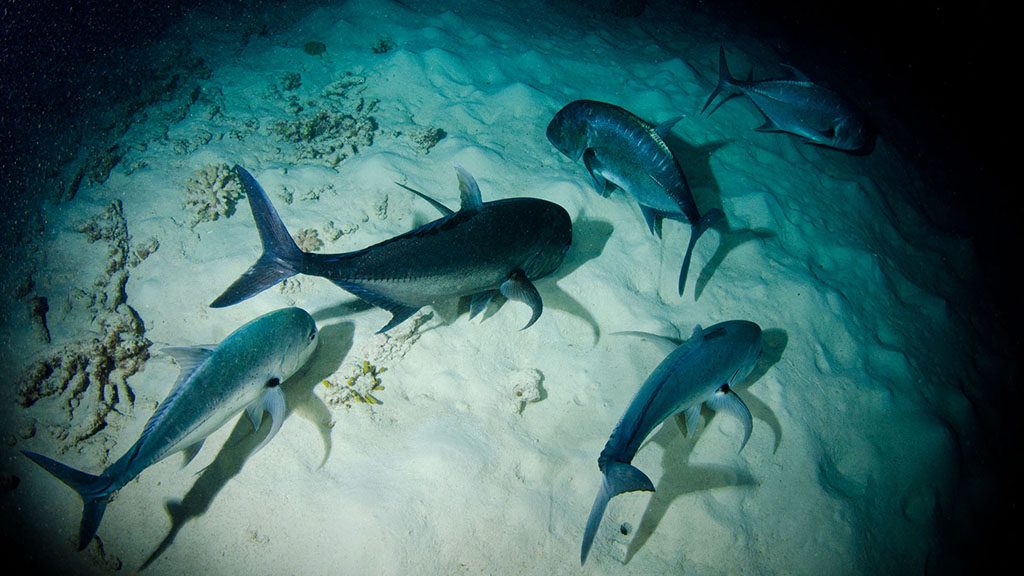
[[708, 220], [726, 83], [94, 491], [281, 256], [619, 477]]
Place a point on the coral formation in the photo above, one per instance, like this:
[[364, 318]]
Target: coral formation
[[90, 375], [290, 81], [526, 388], [308, 240], [427, 138], [356, 383], [212, 192], [383, 45], [337, 125], [314, 48]]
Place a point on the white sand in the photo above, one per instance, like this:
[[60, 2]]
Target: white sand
[[856, 423]]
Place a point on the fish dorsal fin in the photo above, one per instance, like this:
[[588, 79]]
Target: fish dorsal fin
[[468, 190], [665, 127], [188, 358], [444, 210], [797, 74]]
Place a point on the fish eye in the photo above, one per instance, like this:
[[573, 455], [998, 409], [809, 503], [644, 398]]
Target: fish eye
[[312, 335]]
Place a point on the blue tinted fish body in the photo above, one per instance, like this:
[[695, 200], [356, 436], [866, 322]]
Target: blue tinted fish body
[[700, 370], [243, 372], [798, 106], [483, 249], [621, 150]]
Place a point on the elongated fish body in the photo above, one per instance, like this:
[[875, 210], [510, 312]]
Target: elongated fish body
[[483, 249], [701, 370], [244, 371], [798, 106], [621, 150]]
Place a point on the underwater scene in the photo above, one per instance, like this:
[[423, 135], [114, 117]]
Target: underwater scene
[[507, 288]]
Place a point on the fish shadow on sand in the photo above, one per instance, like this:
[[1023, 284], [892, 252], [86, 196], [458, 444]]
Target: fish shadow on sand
[[335, 342], [681, 478], [696, 164]]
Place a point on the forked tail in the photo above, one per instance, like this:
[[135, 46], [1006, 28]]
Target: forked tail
[[726, 84], [281, 257], [618, 478], [94, 491], [702, 225]]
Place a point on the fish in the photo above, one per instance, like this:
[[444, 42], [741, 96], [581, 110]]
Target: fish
[[621, 150], [484, 249], [243, 372], [701, 370], [798, 106]]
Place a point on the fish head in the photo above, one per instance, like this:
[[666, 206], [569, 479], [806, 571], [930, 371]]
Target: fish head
[[552, 231], [851, 133], [292, 338], [567, 131], [741, 342]]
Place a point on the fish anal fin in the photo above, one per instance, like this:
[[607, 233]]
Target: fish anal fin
[[191, 451], [479, 303], [652, 218]]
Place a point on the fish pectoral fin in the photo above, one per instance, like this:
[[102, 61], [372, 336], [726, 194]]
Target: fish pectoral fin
[[479, 303], [594, 167], [468, 189], [272, 402], [518, 287], [725, 400], [191, 451]]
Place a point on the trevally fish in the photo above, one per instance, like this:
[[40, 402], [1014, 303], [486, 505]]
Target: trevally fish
[[244, 371], [797, 106], [701, 370], [621, 150], [483, 249]]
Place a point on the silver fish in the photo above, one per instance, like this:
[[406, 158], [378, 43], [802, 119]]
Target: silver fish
[[798, 106], [244, 371], [621, 150], [483, 249], [701, 370]]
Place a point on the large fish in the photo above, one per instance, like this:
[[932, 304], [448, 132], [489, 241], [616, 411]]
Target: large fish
[[621, 150], [483, 249], [244, 371], [798, 106], [701, 370]]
